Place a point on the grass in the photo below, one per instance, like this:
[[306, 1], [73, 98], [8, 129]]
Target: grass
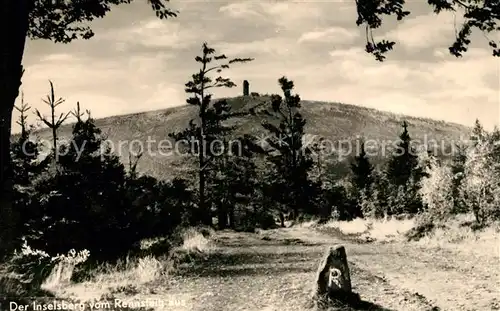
[[382, 230], [125, 276], [459, 233], [129, 276], [195, 241]]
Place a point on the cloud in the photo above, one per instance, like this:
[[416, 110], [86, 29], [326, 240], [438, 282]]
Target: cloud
[[157, 33], [297, 15], [332, 35], [276, 46], [246, 10], [126, 84], [429, 30], [58, 57], [293, 16], [448, 89]]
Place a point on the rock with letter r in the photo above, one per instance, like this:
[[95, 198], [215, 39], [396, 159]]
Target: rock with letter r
[[333, 279]]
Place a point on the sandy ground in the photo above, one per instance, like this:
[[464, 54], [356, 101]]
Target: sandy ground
[[449, 279], [275, 270]]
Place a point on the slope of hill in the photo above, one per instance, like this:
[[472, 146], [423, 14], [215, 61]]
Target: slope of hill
[[335, 122]]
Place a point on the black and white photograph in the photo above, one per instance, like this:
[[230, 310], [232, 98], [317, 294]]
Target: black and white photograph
[[249, 155]]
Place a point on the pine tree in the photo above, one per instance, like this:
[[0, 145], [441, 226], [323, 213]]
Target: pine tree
[[24, 154], [362, 181], [478, 133], [233, 185], [53, 123], [362, 170], [210, 118], [24, 151], [402, 165], [231, 172], [458, 172], [494, 139], [83, 204], [291, 158], [404, 175]]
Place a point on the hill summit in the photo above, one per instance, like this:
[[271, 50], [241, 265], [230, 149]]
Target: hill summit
[[335, 122]]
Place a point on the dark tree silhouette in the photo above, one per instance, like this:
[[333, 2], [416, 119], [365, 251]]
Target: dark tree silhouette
[[24, 150], [58, 21], [458, 170], [362, 180], [404, 175], [483, 15], [51, 122], [362, 170], [91, 202], [23, 117], [403, 162], [78, 114], [81, 202], [233, 184], [291, 157], [210, 118]]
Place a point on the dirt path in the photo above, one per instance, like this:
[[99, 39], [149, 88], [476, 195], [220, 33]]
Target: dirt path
[[247, 272], [275, 271], [450, 280]]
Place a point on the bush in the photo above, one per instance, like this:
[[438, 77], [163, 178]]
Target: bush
[[423, 227], [34, 267], [266, 221], [436, 190], [87, 200], [480, 185]]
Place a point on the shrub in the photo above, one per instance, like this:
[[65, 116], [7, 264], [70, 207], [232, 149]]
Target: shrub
[[480, 187], [266, 221], [36, 267], [369, 203], [436, 189], [193, 243]]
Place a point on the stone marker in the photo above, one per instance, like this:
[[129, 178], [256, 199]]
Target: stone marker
[[333, 279]]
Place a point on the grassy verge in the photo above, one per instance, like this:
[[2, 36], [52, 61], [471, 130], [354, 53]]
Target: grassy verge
[[127, 277], [456, 233]]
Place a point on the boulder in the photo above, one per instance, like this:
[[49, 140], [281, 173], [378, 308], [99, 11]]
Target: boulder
[[333, 279]]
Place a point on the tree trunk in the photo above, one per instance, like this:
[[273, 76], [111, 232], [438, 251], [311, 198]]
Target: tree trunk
[[204, 208], [255, 216], [232, 223], [326, 211], [282, 219], [13, 32], [222, 216]]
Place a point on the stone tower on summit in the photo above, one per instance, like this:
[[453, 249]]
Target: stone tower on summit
[[246, 88]]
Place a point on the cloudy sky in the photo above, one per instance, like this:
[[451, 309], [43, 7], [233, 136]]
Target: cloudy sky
[[137, 62]]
